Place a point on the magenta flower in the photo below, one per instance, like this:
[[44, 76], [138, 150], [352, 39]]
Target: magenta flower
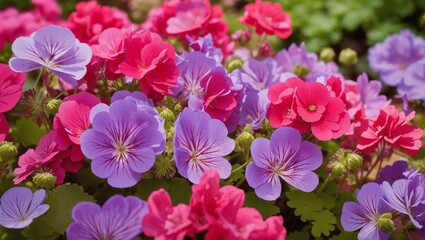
[[19, 206], [54, 48], [123, 142], [283, 156], [200, 144], [4, 127], [119, 218], [365, 214], [10, 87]]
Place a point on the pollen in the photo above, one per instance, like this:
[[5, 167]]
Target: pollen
[[311, 108]]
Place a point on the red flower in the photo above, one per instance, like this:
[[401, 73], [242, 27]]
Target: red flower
[[90, 19], [4, 127], [312, 98], [72, 120], [390, 127], [268, 18], [165, 221], [10, 87], [152, 60]]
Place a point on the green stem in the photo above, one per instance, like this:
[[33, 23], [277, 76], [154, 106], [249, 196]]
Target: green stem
[[240, 181], [240, 167], [37, 80], [378, 160], [328, 179]]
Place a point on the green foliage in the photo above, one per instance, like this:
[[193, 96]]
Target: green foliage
[[323, 223], [306, 204], [27, 132], [178, 188], [266, 208], [298, 236]]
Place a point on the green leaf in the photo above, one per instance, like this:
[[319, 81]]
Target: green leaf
[[348, 236], [266, 208], [147, 186], [61, 201], [178, 188], [298, 236], [306, 204], [27, 132], [40, 229], [235, 176], [10, 234], [323, 223]]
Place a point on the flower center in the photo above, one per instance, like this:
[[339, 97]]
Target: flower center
[[311, 108], [121, 152], [195, 156]]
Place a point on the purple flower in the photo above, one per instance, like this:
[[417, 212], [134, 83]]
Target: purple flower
[[413, 84], [205, 45], [259, 75], [392, 173], [123, 142], [405, 105], [394, 57], [304, 64], [369, 91], [365, 214], [54, 48], [407, 196], [254, 108], [283, 156], [19, 206], [200, 144], [119, 218]]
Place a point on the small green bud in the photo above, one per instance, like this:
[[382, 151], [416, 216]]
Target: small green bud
[[385, 223], [248, 129], [164, 167], [245, 139], [337, 169], [178, 108], [53, 106], [418, 164], [348, 57], [353, 161], [44, 180], [170, 133], [8, 151], [300, 70], [234, 63], [167, 115], [327, 54]]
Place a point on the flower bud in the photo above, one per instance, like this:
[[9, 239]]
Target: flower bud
[[385, 223], [53, 106], [348, 57], [301, 71], [353, 161], [167, 115], [327, 54], [178, 108], [44, 180], [164, 167], [245, 140], [337, 169], [7, 151], [233, 64]]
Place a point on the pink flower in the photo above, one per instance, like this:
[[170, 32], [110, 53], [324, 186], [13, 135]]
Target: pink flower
[[10, 87], [48, 9], [165, 222], [90, 19], [312, 98], [72, 120], [4, 127], [152, 60], [390, 127], [268, 18], [45, 158]]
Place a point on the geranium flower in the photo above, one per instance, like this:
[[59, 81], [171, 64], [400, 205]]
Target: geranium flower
[[72, 120], [254, 108], [119, 218], [121, 142], [390, 127], [312, 99], [90, 19], [369, 91], [54, 48], [200, 144], [19, 206], [365, 214], [148, 58], [268, 18], [165, 221], [4, 127], [46, 157], [283, 156], [258, 75], [10, 87], [407, 196]]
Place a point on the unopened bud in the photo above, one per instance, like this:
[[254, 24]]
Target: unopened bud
[[300, 70], [53, 106], [385, 223], [178, 108], [44, 180], [327, 54], [233, 64], [353, 161], [7, 151], [348, 57], [164, 167], [337, 169], [167, 115]]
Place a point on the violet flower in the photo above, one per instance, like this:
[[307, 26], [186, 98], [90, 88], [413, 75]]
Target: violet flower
[[258, 75], [369, 91], [205, 45], [366, 213], [393, 172], [200, 144], [254, 108], [54, 48], [119, 218], [283, 156], [19, 206], [123, 142]]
